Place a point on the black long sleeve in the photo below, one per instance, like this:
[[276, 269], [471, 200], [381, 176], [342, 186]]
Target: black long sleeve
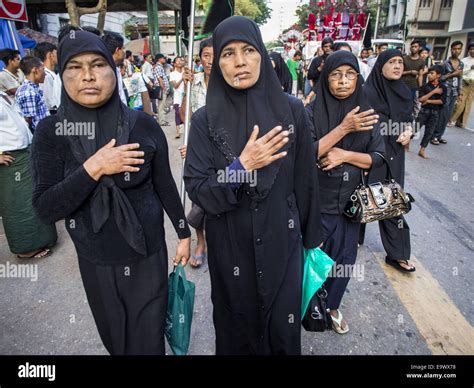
[[54, 195], [63, 189], [200, 176], [313, 72], [314, 139]]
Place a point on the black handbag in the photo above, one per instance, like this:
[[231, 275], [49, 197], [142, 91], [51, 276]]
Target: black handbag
[[378, 201], [155, 92], [317, 316]]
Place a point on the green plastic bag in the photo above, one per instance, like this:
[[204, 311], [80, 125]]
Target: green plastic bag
[[317, 266], [180, 311]]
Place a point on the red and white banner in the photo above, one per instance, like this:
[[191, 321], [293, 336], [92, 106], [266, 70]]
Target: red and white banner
[[13, 10]]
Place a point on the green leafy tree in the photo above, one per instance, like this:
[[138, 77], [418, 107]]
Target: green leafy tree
[[302, 12], [257, 10], [265, 12]]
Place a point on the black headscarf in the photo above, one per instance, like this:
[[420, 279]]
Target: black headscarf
[[232, 113], [329, 111], [390, 98], [282, 71], [111, 120]]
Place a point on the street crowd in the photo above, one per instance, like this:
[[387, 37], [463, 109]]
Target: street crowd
[[82, 139]]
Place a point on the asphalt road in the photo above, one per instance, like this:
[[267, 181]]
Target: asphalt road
[[430, 312]]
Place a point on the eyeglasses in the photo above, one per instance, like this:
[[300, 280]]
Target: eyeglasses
[[337, 75]]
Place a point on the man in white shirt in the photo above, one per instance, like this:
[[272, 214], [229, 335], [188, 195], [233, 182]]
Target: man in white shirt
[[147, 70], [11, 77], [176, 78], [464, 103], [114, 43], [129, 64], [14, 131], [150, 80], [51, 86]]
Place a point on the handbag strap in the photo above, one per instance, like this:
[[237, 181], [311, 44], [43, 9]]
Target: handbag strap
[[388, 176]]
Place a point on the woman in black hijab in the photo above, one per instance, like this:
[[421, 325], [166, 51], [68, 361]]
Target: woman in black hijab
[[346, 142], [105, 169], [282, 71], [260, 195], [390, 98]]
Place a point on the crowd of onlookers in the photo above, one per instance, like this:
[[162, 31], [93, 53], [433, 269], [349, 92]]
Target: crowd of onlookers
[[442, 91], [150, 83]]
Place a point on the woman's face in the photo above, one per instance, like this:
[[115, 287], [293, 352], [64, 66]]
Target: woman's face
[[342, 82], [89, 80], [393, 68], [240, 64]]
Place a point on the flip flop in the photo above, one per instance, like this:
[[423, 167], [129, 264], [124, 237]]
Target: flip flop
[[337, 321], [39, 254], [199, 259], [395, 264]]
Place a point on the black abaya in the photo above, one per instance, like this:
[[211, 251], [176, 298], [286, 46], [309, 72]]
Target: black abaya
[[336, 185], [116, 224], [282, 72], [392, 101], [255, 235]]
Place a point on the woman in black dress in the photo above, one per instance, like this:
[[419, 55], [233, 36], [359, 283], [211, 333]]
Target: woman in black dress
[[346, 140], [256, 226], [390, 98], [282, 71], [105, 169]]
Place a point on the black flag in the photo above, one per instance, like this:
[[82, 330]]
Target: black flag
[[218, 11], [185, 12], [368, 34]]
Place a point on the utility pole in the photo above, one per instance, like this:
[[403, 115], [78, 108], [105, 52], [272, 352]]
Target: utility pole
[[177, 30], [156, 27], [153, 28], [379, 4]]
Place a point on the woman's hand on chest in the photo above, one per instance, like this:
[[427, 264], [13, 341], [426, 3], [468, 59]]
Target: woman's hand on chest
[[261, 152], [110, 160]]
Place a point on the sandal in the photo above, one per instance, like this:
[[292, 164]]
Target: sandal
[[336, 324], [39, 254], [198, 260], [396, 264]]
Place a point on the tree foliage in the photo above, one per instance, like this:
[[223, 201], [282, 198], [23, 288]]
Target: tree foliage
[[257, 10]]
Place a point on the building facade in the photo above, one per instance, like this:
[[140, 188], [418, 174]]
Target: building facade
[[114, 21], [437, 23]]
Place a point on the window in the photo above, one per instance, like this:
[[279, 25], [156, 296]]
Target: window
[[440, 48], [425, 3], [431, 25], [447, 4]]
